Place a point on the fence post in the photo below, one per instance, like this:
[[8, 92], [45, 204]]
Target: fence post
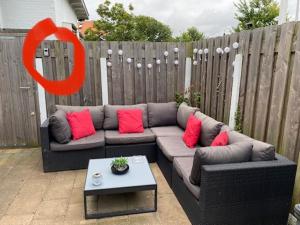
[[41, 91], [104, 81], [237, 73], [283, 12], [188, 75]]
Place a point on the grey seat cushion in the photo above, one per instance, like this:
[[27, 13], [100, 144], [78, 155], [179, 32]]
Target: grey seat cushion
[[93, 141], [113, 137], [174, 147], [162, 114], [210, 128], [183, 166], [234, 153], [59, 127], [167, 131], [111, 119], [261, 151], [97, 113], [183, 113]]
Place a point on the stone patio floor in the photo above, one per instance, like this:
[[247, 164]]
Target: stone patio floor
[[28, 196]]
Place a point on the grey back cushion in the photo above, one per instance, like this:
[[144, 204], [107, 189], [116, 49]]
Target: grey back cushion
[[183, 113], [234, 153], [162, 114], [261, 151], [59, 127], [97, 113], [111, 119], [210, 128]]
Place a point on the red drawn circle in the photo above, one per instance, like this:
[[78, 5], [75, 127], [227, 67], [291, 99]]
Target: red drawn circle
[[33, 39]]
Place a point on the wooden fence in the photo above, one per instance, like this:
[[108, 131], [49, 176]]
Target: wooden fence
[[127, 84], [269, 92], [269, 99]]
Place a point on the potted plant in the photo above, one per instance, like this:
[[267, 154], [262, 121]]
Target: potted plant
[[119, 165]]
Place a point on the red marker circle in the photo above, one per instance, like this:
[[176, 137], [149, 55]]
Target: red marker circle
[[33, 39]]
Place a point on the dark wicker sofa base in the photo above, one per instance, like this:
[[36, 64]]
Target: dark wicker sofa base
[[70, 160], [254, 193]]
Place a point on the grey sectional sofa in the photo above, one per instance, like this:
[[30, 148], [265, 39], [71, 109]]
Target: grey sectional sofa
[[233, 185]]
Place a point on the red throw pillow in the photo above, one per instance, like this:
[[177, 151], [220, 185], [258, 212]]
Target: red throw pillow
[[81, 124], [221, 139], [192, 131], [130, 121]]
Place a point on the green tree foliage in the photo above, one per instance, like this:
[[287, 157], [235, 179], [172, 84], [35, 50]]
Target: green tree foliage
[[119, 24], [192, 34], [256, 13]]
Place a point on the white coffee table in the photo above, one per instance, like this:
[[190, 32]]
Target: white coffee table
[[138, 178]]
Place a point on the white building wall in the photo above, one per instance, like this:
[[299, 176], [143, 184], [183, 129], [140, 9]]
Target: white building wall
[[23, 14], [64, 13], [1, 20]]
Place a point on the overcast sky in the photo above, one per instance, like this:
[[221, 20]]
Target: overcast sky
[[213, 17]]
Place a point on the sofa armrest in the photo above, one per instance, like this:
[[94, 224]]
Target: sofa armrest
[[256, 182], [45, 135]]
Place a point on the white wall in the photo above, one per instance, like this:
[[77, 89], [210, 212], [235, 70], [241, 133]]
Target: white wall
[[1, 20], [64, 13], [23, 14]]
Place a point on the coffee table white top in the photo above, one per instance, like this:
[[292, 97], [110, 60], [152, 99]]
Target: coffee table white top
[[139, 174]]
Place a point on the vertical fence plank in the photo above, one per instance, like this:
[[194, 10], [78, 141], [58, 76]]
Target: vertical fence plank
[[170, 72], [161, 73], [203, 77], [49, 74], [215, 78], [128, 70], [60, 68], [149, 72], [244, 49], [222, 80], [252, 81], [291, 126], [265, 82], [209, 75], [233, 38], [181, 67], [139, 73], [280, 82]]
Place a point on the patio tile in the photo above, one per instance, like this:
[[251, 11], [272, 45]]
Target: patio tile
[[52, 209], [58, 191], [170, 211], [75, 213], [76, 196], [25, 203], [80, 179], [55, 221], [35, 185], [145, 219], [118, 220], [16, 220], [31, 197]]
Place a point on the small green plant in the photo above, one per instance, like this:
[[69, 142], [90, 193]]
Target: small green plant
[[193, 99], [120, 163], [238, 120]]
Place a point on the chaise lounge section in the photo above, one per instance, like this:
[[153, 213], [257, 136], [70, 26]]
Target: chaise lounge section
[[241, 183]]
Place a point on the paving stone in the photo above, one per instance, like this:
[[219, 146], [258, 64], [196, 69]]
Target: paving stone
[[28, 196], [145, 219], [55, 221], [51, 209], [16, 220], [25, 203]]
